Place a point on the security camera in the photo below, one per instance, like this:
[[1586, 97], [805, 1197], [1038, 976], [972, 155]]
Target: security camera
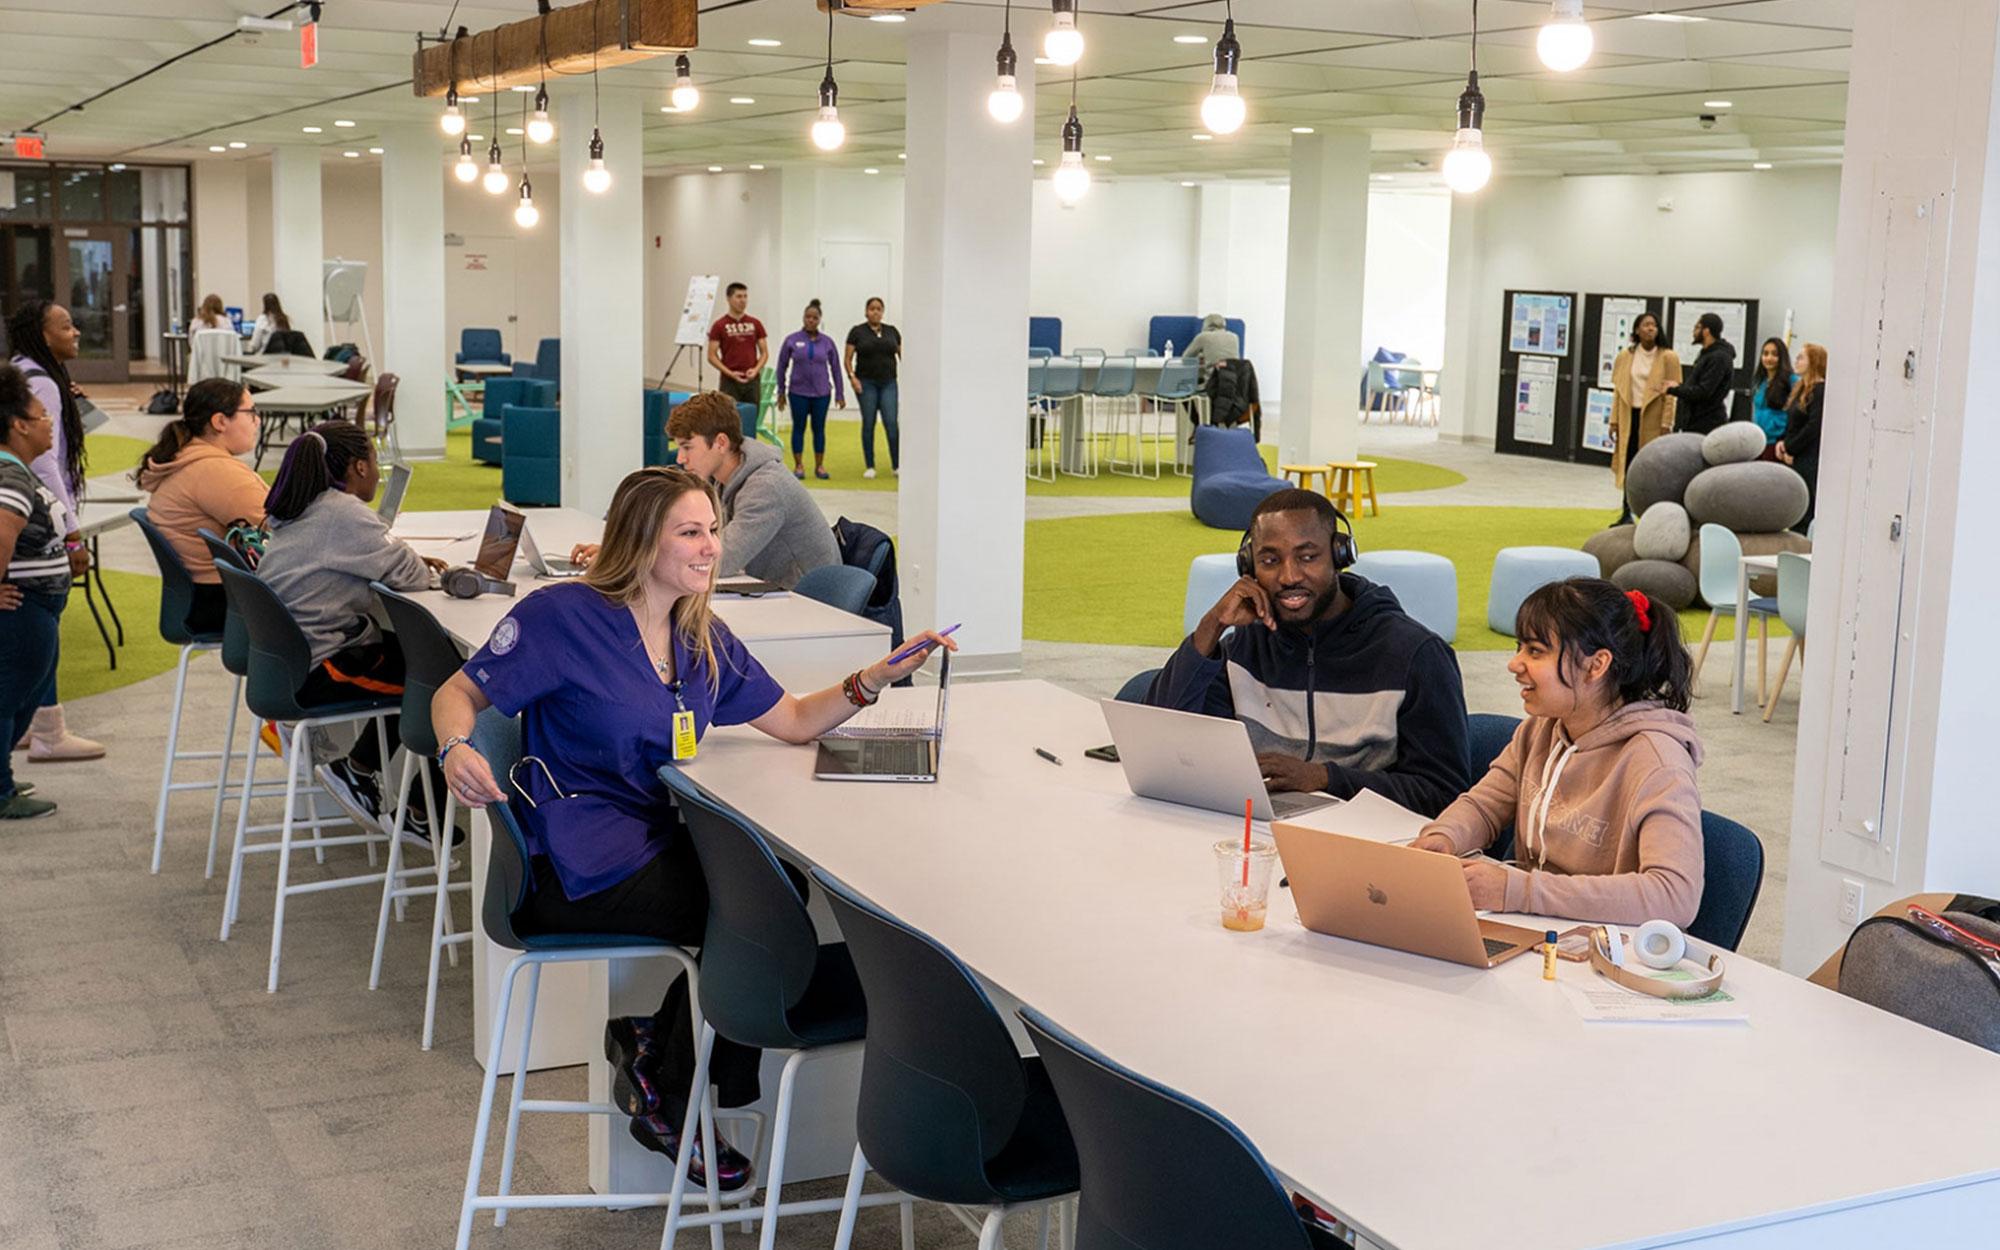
[[1707, 121]]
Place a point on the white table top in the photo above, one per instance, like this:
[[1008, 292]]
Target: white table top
[[314, 398], [1433, 1106], [1769, 564], [453, 536], [284, 363], [485, 370], [276, 379]]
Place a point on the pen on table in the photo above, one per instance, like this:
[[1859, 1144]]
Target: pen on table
[[914, 647], [1047, 755]]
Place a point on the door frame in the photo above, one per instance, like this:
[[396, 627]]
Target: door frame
[[118, 366]]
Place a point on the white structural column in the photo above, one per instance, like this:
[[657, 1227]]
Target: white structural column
[[298, 243], [966, 211], [603, 295], [1460, 419], [1216, 225], [1327, 260], [412, 335], [1894, 787]]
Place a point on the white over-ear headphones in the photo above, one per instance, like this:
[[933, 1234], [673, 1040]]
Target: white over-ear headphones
[[1657, 945]]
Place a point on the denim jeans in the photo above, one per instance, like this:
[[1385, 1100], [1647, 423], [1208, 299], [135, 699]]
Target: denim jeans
[[813, 408], [879, 398], [28, 641]]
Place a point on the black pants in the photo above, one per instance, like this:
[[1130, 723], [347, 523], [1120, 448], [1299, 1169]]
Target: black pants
[[1807, 467], [668, 900], [750, 392], [373, 668]]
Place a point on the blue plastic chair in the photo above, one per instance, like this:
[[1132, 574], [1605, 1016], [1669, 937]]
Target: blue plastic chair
[[842, 586], [950, 1110], [655, 447], [1794, 595], [531, 461], [481, 346], [1062, 393], [1230, 479], [1721, 557], [1179, 386], [1159, 1170], [176, 599], [748, 414], [1040, 353], [768, 982], [1733, 876], [498, 739], [1488, 734], [1118, 385]]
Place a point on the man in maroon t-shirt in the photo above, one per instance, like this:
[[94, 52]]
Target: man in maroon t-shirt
[[737, 348]]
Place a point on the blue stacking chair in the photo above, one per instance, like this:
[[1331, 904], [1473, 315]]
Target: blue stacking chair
[[481, 346], [1489, 734], [767, 982], [950, 1110], [1160, 1171], [531, 467], [498, 739], [1180, 387], [842, 586], [1043, 436], [176, 599], [748, 412], [1118, 385], [656, 448], [1040, 353]]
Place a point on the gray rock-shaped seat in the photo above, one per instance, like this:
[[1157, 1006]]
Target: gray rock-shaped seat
[[1663, 532], [1612, 547], [1663, 581], [1760, 497], [1662, 470], [1733, 442]]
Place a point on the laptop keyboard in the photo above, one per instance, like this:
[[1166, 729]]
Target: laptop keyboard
[[1495, 947], [1297, 802], [904, 758]]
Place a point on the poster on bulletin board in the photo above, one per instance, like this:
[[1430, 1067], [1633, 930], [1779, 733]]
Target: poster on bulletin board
[[1539, 324], [1597, 432], [1615, 331], [1535, 401]]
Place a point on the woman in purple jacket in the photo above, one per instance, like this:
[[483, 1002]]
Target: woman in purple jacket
[[809, 371]]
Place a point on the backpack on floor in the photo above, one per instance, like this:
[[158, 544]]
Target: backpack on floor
[[163, 403], [1944, 975]]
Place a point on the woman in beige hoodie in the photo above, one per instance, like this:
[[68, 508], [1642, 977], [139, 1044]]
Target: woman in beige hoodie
[[196, 483], [1599, 780]]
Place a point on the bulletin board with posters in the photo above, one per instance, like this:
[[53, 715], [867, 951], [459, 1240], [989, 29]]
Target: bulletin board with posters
[[1607, 331], [1538, 374]]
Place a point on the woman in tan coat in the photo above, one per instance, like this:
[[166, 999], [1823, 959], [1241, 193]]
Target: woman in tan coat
[[1639, 380]]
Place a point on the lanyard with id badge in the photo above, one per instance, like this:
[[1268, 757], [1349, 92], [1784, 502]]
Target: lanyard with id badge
[[684, 731]]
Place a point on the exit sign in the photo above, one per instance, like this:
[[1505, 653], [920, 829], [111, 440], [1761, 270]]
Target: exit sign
[[308, 45], [28, 147]]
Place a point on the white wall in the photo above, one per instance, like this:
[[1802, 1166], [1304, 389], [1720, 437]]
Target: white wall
[[724, 224], [1767, 235], [486, 222], [351, 225], [221, 237], [1123, 255], [1240, 270], [1403, 298]]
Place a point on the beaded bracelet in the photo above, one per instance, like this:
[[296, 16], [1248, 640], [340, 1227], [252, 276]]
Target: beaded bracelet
[[857, 691]]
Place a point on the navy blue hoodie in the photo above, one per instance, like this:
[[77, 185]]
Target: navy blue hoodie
[[1386, 710]]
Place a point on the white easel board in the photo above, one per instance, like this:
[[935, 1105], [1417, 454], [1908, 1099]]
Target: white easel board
[[697, 310]]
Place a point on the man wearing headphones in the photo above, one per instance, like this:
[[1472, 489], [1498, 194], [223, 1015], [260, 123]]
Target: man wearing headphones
[[1340, 689]]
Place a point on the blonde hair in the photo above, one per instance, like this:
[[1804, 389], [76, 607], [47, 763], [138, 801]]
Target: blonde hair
[[632, 542], [1812, 378]]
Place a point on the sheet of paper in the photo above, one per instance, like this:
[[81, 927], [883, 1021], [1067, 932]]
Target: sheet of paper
[[1367, 815], [1599, 1000], [1535, 401]]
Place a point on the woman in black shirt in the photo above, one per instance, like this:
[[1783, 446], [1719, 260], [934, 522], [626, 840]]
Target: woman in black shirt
[[872, 352], [1800, 445]]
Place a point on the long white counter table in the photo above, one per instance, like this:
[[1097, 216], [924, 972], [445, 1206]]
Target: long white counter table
[[1434, 1107]]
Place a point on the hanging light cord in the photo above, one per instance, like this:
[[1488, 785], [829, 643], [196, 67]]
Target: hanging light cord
[[829, 41], [1475, 35]]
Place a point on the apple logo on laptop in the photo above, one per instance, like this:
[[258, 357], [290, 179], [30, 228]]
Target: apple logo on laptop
[[1377, 897], [1187, 760]]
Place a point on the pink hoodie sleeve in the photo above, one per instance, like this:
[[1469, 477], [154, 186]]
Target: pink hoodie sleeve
[[1476, 817], [1665, 810]]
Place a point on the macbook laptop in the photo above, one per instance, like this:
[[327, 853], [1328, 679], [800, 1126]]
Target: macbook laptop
[[891, 741], [392, 494], [1394, 896], [1197, 761], [546, 566], [502, 537]]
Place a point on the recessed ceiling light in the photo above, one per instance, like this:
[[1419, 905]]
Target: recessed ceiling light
[[902, 156], [513, 130], [1670, 17], [1383, 177], [312, 130], [1190, 38], [1302, 130], [670, 108], [742, 99], [217, 147], [1040, 161], [767, 43], [1042, 60], [1187, 184], [1760, 164], [525, 90], [1202, 137], [1717, 104], [887, 17], [1101, 157], [477, 138], [756, 167], [351, 155], [468, 99], [238, 144], [715, 169], [871, 170], [342, 121], [374, 151]]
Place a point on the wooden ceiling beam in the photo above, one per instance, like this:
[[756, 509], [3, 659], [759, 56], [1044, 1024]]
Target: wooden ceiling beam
[[607, 33]]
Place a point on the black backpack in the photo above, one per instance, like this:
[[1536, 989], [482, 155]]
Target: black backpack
[[163, 403], [865, 547]]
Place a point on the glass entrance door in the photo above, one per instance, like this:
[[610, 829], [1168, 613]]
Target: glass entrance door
[[93, 280]]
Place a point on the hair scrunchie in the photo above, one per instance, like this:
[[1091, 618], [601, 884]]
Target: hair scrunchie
[[1642, 607]]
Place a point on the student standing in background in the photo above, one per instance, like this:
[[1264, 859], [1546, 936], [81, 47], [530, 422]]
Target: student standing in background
[[1704, 395], [1772, 392], [1799, 446], [737, 348], [1639, 381], [809, 370], [873, 349]]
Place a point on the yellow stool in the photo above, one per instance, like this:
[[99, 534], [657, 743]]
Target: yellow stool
[[1351, 478], [1306, 473]]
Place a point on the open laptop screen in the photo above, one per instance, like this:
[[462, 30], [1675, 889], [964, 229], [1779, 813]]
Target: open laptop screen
[[497, 544]]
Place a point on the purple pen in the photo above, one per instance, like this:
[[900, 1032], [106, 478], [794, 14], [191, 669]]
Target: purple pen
[[914, 647]]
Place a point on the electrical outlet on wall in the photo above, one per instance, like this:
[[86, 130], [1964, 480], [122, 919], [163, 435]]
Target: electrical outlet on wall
[[1850, 902]]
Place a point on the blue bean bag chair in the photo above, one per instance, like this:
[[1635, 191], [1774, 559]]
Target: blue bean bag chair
[[1229, 477]]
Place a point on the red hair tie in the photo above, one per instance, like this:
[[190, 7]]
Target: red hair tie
[[1643, 608]]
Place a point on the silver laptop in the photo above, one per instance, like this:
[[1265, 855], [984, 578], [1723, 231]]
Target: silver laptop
[[898, 740], [556, 567], [392, 494], [499, 541], [1197, 761]]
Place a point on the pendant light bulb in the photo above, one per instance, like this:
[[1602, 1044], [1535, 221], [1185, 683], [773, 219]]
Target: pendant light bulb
[[685, 95], [453, 120], [496, 174], [525, 213], [1565, 42], [1004, 104], [1222, 110], [467, 170], [1064, 42], [1072, 178], [596, 179], [540, 128], [1467, 166], [828, 132]]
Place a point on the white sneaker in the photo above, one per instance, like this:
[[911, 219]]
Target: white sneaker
[[869, 474]]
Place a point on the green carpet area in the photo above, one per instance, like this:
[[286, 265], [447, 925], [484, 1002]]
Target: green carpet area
[[1123, 579], [113, 453], [83, 670]]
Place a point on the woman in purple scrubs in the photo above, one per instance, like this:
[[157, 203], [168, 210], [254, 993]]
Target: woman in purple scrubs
[[602, 672]]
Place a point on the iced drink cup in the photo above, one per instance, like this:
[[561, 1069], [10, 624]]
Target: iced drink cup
[[1244, 896]]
